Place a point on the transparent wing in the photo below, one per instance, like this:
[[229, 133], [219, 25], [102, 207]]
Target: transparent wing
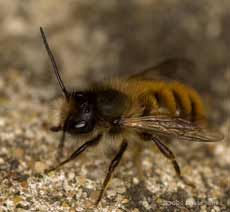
[[166, 70], [177, 127]]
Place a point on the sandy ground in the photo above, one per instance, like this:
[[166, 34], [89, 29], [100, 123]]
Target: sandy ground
[[93, 41]]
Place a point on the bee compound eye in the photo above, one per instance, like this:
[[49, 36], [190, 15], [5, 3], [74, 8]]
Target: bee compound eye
[[80, 124]]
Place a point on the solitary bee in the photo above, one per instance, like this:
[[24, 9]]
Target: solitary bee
[[131, 111]]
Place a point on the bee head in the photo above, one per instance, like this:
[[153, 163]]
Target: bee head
[[81, 116]]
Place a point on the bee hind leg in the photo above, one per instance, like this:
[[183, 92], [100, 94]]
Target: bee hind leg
[[169, 154], [114, 163], [137, 160]]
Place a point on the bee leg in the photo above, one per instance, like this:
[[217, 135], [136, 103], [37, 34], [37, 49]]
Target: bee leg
[[81, 149], [60, 148], [111, 169], [61, 143], [137, 160], [168, 154]]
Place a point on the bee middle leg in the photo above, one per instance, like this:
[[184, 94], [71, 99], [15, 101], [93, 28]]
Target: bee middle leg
[[169, 154], [76, 153], [114, 163]]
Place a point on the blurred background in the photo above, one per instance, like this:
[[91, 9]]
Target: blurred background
[[100, 39], [93, 40]]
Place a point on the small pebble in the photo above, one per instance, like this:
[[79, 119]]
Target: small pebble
[[146, 205], [203, 208], [111, 193], [135, 180], [2, 122], [65, 205], [121, 190], [66, 186], [17, 199], [2, 161], [71, 175], [19, 153], [39, 167], [81, 180], [190, 202], [124, 201], [24, 184], [20, 210], [216, 209], [88, 204], [94, 194]]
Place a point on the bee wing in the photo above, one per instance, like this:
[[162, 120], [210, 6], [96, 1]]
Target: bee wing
[[167, 70], [171, 69], [176, 127]]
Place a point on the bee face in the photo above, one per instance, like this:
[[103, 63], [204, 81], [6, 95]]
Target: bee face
[[81, 117]]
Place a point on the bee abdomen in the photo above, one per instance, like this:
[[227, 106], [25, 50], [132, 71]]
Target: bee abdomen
[[181, 94], [189, 101], [167, 99], [175, 97]]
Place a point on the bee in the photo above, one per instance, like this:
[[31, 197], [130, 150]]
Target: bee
[[134, 111]]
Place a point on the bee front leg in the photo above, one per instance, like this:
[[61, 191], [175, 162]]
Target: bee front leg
[[111, 169], [169, 154], [81, 149], [61, 142], [60, 148]]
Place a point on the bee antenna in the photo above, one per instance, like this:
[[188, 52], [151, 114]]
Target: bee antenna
[[55, 67]]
